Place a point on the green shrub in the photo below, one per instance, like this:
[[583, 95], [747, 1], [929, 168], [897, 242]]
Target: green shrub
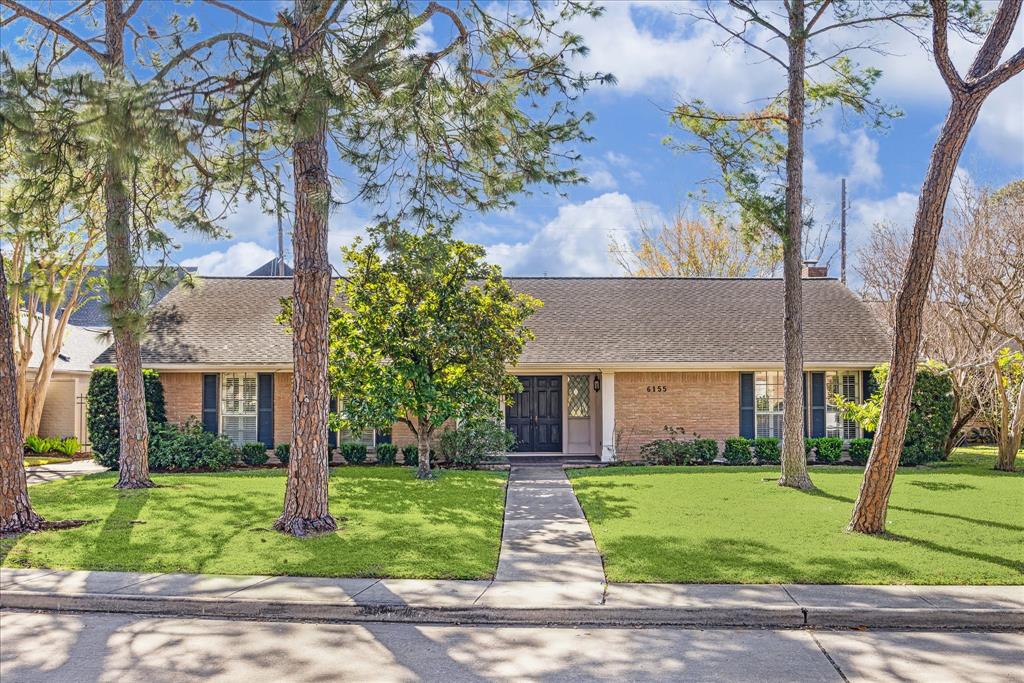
[[69, 446], [41, 444], [737, 451], [353, 452], [188, 447], [705, 451], [104, 421], [767, 451], [411, 454], [860, 449], [830, 449], [387, 453], [254, 454], [809, 445], [283, 451], [468, 444], [660, 452]]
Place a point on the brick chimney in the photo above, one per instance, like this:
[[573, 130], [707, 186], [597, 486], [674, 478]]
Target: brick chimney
[[811, 269]]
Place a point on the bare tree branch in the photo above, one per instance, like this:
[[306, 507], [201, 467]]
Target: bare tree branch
[[55, 27], [940, 47], [997, 39]]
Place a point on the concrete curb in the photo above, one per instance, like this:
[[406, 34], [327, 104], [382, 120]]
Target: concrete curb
[[597, 615]]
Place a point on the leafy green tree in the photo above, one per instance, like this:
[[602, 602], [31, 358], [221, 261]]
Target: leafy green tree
[[421, 134], [760, 153], [129, 113], [424, 337]]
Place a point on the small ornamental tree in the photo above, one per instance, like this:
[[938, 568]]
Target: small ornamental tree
[[426, 333]]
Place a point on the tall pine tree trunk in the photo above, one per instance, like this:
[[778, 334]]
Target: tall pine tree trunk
[[16, 513], [123, 285], [873, 501], [305, 501], [794, 459]]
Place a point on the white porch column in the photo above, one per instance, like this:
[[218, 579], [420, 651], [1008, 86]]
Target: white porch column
[[607, 416]]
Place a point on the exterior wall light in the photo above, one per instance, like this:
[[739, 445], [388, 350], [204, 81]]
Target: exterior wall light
[[597, 383]]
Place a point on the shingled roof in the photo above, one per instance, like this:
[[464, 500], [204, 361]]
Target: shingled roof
[[592, 321]]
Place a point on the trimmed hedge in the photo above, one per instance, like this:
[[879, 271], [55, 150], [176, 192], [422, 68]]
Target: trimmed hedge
[[254, 454], [767, 451], [705, 451], [829, 448], [354, 453], [283, 451], [860, 449], [411, 454], [387, 453], [187, 447], [672, 452], [103, 420], [737, 451]]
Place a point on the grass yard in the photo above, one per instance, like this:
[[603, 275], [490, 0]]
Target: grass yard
[[36, 460], [957, 522], [390, 524]]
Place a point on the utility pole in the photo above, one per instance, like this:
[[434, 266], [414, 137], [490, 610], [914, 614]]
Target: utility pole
[[842, 235], [280, 236]]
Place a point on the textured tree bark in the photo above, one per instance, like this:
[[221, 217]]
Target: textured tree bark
[[964, 417], [423, 434], [1011, 426], [305, 500], [16, 513], [125, 301], [794, 460], [872, 504]]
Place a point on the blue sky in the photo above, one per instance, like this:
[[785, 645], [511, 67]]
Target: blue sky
[[660, 56]]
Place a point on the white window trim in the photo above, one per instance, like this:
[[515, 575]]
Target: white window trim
[[832, 409], [223, 413], [770, 413]]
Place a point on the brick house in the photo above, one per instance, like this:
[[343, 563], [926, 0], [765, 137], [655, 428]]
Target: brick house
[[615, 360]]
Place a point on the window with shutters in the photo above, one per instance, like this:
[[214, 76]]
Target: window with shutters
[[579, 395], [768, 394], [847, 385], [238, 407]]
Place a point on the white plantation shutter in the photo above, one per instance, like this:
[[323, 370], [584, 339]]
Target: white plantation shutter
[[239, 407]]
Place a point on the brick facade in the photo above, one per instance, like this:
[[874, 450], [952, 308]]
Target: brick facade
[[702, 403], [282, 407], [183, 395]]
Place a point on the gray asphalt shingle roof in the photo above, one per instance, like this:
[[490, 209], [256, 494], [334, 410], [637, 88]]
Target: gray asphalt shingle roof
[[230, 321]]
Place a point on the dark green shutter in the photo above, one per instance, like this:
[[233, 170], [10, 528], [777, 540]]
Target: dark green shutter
[[806, 420], [747, 405], [210, 403], [332, 436], [867, 388], [265, 409], [817, 404]]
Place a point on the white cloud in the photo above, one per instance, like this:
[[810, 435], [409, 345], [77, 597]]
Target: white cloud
[[575, 242], [239, 259]]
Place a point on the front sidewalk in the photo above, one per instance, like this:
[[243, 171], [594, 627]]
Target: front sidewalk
[[515, 602]]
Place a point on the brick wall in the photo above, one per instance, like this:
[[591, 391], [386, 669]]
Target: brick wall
[[282, 407], [183, 395], [704, 403]]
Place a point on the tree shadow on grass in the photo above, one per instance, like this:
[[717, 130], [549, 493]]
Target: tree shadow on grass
[[947, 515], [941, 486], [1013, 565]]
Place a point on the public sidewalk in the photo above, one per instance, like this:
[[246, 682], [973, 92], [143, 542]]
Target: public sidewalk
[[515, 602]]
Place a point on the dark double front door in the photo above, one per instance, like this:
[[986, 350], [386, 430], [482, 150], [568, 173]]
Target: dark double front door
[[535, 416]]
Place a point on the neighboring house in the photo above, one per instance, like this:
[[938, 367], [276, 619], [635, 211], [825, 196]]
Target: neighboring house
[[275, 267], [86, 337], [615, 360]]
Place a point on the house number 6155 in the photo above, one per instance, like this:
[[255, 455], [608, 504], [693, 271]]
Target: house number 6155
[[656, 389]]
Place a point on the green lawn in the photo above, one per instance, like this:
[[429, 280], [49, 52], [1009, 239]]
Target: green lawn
[[957, 522], [36, 460], [390, 524]]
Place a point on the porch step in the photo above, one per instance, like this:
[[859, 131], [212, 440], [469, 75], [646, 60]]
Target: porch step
[[549, 460]]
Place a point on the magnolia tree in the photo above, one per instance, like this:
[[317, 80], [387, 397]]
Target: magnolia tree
[[425, 336]]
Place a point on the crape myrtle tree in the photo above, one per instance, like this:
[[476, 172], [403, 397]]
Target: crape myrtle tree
[[16, 513], [968, 93], [109, 92], [421, 134], [760, 153], [424, 334]]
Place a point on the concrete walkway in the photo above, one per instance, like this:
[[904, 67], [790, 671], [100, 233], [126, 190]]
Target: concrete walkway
[[287, 598], [41, 474], [546, 537]]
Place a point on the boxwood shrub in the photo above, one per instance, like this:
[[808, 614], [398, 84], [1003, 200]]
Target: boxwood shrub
[[254, 454], [387, 453], [767, 451], [830, 449], [705, 451], [411, 454], [353, 452], [188, 447], [283, 451], [737, 451], [103, 420], [860, 449]]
